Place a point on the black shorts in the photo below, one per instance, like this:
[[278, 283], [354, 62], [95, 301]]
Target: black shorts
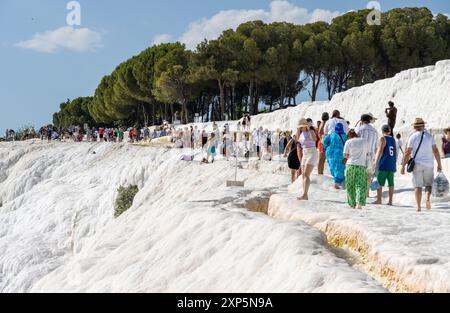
[[101, 136], [258, 149], [204, 141], [293, 161]]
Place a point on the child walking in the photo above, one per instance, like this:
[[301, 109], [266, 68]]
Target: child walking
[[386, 163]]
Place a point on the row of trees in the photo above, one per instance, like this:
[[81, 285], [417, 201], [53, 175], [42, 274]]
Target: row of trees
[[74, 112], [266, 65]]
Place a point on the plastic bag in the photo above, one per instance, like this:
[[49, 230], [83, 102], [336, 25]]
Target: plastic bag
[[188, 158], [441, 186], [375, 185]]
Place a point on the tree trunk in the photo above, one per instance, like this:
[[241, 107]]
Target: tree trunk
[[160, 113], [233, 102], [222, 99], [171, 113], [154, 113], [251, 97], [183, 113], [227, 104], [165, 112], [281, 97], [202, 104], [283, 92], [144, 112], [316, 78], [213, 109], [246, 105]]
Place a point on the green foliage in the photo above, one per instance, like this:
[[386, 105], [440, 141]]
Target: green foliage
[[75, 112], [412, 37], [269, 63], [124, 200], [128, 93]]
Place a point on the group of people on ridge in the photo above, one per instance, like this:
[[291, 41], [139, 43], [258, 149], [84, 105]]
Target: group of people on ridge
[[356, 156]]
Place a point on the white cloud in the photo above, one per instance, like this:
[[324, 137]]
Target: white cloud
[[436, 14], [280, 11], [77, 39], [161, 38]]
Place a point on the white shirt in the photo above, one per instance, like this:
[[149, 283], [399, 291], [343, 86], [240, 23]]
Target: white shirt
[[399, 146], [425, 155], [228, 137], [358, 150], [370, 134], [330, 126], [256, 137]]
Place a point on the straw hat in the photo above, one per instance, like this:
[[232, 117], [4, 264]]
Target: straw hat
[[418, 122], [303, 123], [373, 117]]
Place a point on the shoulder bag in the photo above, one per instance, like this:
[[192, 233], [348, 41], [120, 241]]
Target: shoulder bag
[[412, 162]]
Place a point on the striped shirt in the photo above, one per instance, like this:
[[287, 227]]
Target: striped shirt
[[370, 134]]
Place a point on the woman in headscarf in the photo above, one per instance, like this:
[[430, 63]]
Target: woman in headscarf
[[334, 146]]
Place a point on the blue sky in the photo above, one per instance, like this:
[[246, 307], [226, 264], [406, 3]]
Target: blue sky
[[43, 61]]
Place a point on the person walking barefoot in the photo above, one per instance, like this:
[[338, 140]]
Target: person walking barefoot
[[421, 148], [367, 132], [307, 139], [356, 157], [386, 164], [334, 146]]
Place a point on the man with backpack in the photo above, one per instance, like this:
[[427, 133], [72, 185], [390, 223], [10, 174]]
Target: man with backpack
[[419, 159]]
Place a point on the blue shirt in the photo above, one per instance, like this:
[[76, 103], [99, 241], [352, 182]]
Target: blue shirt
[[388, 161]]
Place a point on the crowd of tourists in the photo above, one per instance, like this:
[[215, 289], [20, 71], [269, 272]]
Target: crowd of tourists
[[94, 134], [359, 159]]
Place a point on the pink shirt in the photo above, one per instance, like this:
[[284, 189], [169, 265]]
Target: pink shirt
[[307, 141]]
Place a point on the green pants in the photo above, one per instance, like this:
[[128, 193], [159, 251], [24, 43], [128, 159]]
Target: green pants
[[356, 184]]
